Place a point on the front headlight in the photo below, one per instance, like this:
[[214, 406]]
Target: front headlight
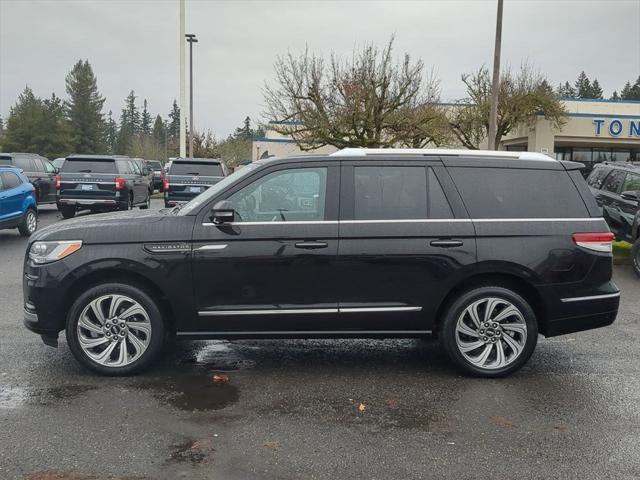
[[47, 252]]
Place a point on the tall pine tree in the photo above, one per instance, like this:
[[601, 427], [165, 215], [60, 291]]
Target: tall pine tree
[[566, 90], [631, 92], [129, 124], [84, 109], [174, 121], [111, 134], [583, 86], [159, 132], [145, 120], [596, 90]]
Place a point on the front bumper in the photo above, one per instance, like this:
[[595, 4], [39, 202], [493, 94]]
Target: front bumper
[[31, 321]]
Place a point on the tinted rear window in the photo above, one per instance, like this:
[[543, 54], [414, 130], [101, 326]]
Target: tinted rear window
[[518, 193], [72, 165], [5, 160], [205, 169], [155, 165]]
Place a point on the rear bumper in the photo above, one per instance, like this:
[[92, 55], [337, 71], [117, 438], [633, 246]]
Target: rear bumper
[[583, 313], [87, 201]]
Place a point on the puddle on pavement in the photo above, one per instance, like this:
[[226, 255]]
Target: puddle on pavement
[[193, 392], [15, 397], [218, 355]]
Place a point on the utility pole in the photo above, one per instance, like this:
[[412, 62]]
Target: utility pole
[[495, 86], [191, 38], [183, 106]]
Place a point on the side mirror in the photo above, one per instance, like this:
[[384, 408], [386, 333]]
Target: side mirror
[[222, 212], [633, 196]]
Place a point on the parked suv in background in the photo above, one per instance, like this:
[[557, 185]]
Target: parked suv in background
[[617, 190], [99, 183], [189, 177], [483, 249], [39, 170], [158, 173], [146, 172], [17, 201]]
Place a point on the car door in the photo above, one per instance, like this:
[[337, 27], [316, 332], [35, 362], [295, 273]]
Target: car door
[[49, 179], [272, 268], [11, 196], [609, 198], [628, 208], [403, 241], [137, 180]]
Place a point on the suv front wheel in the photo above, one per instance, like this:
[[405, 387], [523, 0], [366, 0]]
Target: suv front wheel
[[489, 331], [115, 329]]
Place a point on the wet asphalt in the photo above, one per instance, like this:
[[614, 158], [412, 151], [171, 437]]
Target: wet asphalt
[[292, 409]]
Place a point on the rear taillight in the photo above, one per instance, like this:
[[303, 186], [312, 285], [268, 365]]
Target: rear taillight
[[165, 184], [57, 182], [120, 183], [598, 242]]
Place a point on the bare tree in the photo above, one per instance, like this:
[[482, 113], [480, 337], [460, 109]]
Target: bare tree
[[522, 96], [367, 101]]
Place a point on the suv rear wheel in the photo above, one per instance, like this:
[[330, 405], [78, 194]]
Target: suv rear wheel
[[635, 256], [115, 329], [489, 331]]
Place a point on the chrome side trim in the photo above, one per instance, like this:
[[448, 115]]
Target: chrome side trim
[[216, 313], [379, 309], [591, 297], [409, 220], [217, 246], [347, 333], [589, 219], [278, 222]]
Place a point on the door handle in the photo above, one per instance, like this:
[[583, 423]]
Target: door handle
[[311, 245], [446, 243]]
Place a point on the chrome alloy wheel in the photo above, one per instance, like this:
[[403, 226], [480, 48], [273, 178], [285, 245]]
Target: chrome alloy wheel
[[491, 333], [32, 221], [114, 330]]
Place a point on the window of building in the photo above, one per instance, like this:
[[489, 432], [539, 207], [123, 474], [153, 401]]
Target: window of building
[[614, 181], [295, 194], [386, 193], [511, 193]]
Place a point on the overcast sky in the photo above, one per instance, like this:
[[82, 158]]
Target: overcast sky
[[132, 44]]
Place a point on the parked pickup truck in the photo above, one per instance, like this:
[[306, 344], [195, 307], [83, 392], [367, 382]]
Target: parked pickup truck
[[189, 177], [100, 182]]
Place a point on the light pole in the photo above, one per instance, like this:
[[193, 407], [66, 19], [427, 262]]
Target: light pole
[[191, 38], [495, 86]]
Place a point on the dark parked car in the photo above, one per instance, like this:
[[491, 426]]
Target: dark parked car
[[17, 201], [617, 190], [40, 172], [99, 183], [189, 177], [146, 172], [483, 249], [158, 173]]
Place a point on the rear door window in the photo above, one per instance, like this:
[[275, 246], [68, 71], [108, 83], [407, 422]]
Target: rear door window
[[10, 180], [614, 181], [631, 183], [597, 177], [196, 168], [24, 163], [72, 165], [518, 193]]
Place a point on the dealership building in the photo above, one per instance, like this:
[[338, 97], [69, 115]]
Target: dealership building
[[595, 131]]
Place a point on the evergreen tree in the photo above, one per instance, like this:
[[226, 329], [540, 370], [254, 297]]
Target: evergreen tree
[[111, 134], [583, 86], [129, 124], [174, 121], [631, 92], [596, 90], [566, 90], [84, 109], [244, 132], [145, 120], [37, 126], [159, 132], [615, 97]]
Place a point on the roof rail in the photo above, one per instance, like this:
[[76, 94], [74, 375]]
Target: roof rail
[[365, 152]]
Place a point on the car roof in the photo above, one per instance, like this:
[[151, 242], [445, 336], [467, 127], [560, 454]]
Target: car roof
[[197, 160], [11, 168], [629, 166], [97, 157]]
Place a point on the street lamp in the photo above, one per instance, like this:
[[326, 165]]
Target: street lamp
[[191, 38]]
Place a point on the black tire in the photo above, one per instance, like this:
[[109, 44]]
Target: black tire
[[146, 204], [29, 223], [635, 257], [156, 340], [448, 334], [68, 211]]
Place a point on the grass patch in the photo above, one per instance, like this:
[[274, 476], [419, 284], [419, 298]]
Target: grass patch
[[621, 252]]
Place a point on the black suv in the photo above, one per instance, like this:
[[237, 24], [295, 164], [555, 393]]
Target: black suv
[[617, 190], [158, 173], [39, 170], [100, 182], [189, 177], [484, 249]]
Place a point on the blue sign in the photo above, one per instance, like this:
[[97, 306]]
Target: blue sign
[[616, 127]]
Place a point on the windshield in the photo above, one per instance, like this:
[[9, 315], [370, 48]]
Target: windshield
[[83, 165], [205, 196], [196, 168]]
